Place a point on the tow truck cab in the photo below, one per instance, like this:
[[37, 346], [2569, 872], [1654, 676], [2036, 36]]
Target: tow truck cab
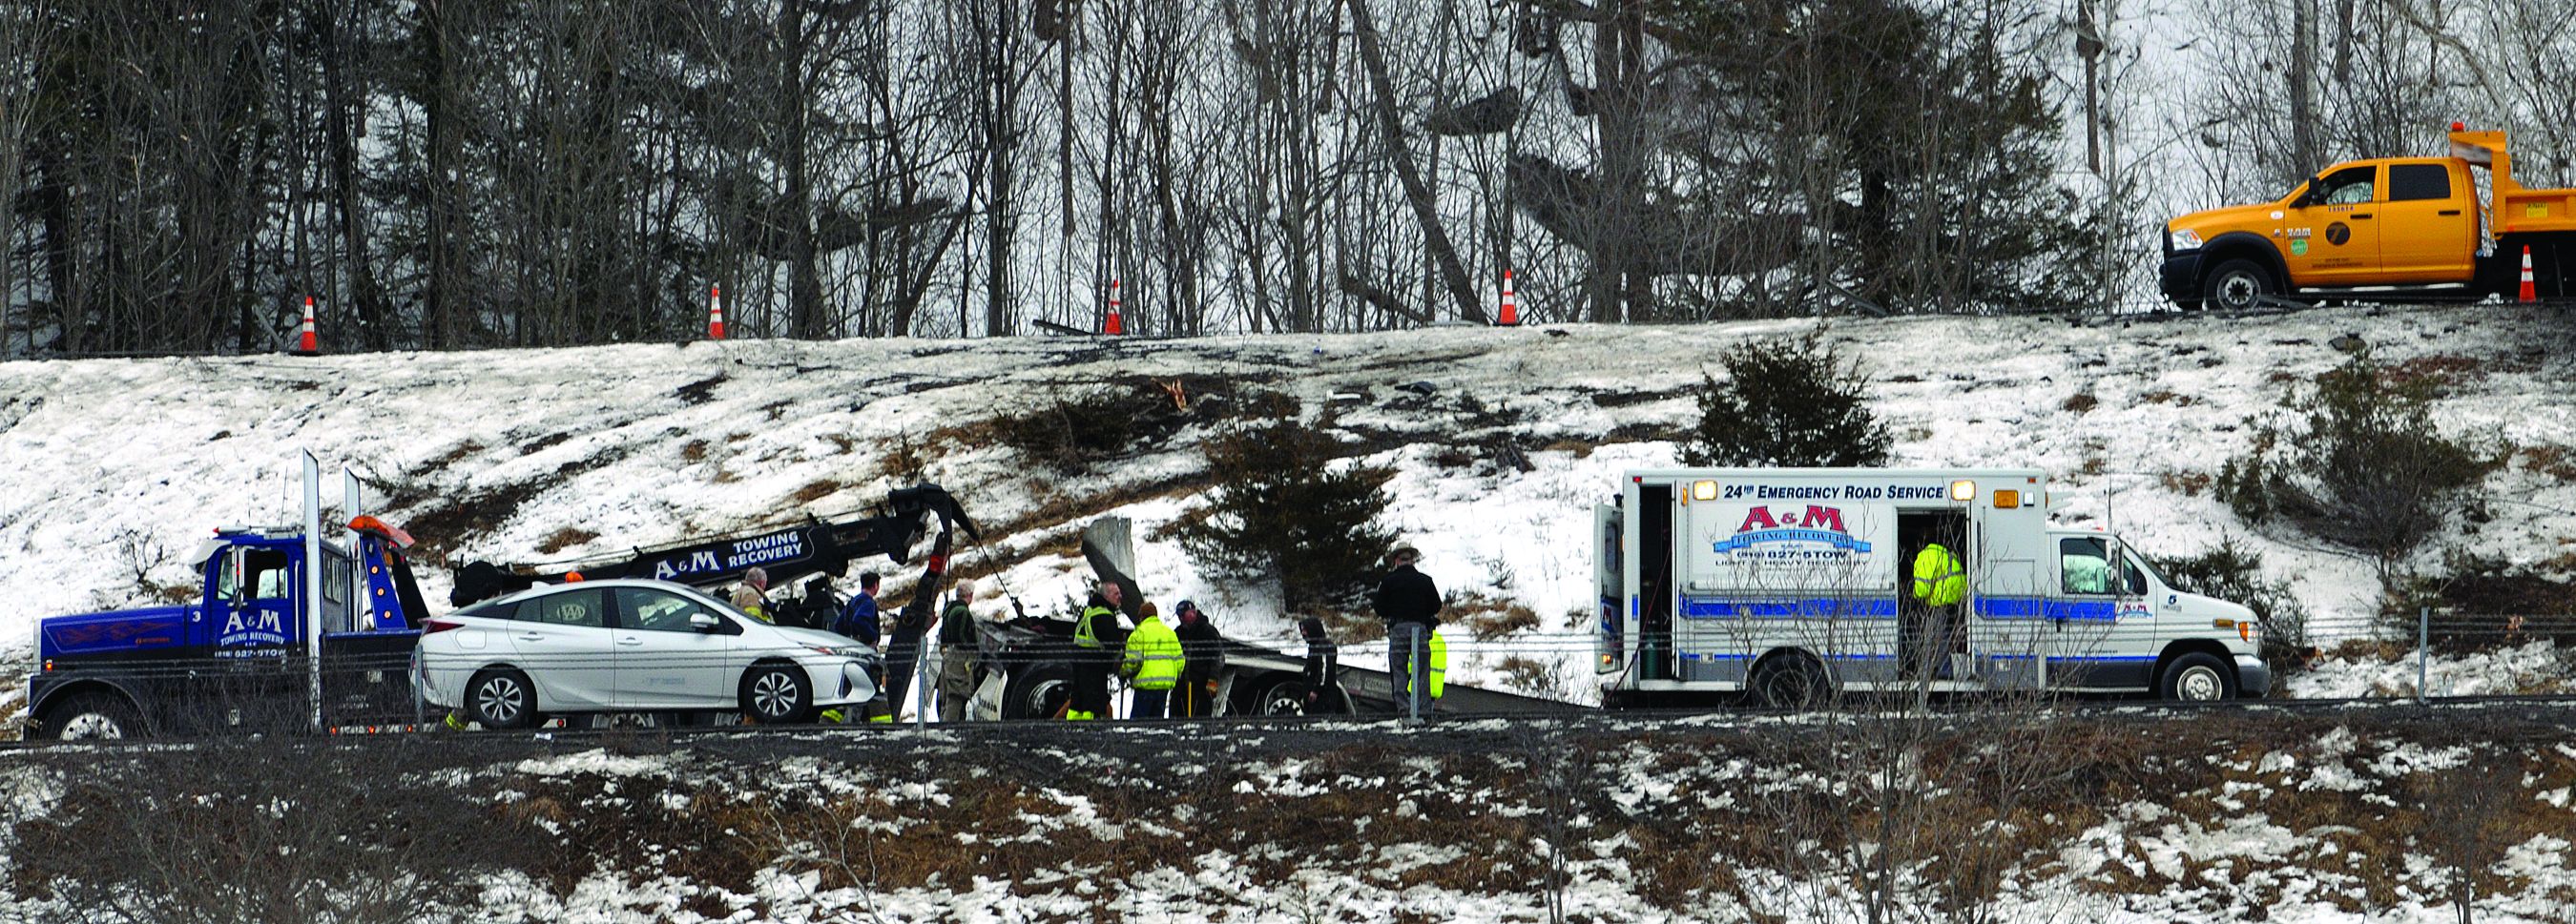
[[241, 654]]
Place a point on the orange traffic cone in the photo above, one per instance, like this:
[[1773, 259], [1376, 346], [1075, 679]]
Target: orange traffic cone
[[1511, 306], [2530, 293], [715, 312], [1115, 326], [309, 344]]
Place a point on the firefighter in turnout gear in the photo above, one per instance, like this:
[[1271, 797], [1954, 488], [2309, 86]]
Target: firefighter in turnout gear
[[1152, 665], [1098, 639]]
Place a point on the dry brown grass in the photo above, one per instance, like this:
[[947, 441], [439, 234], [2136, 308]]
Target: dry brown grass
[[1489, 618], [816, 490], [564, 538]]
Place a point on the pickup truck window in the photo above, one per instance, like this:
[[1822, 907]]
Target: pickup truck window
[[2349, 186], [2418, 181]]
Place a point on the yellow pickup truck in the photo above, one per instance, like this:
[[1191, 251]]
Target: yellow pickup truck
[[2381, 229]]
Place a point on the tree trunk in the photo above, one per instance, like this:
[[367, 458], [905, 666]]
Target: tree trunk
[[1453, 274], [341, 109]]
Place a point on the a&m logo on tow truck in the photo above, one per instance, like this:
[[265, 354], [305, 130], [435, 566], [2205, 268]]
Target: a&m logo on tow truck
[[1790, 534]]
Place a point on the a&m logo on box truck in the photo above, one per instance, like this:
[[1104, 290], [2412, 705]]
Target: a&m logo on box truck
[[1816, 532]]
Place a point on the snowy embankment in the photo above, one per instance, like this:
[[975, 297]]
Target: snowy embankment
[[2365, 815], [116, 467]]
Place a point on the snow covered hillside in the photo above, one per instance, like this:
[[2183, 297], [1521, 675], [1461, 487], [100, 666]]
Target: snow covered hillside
[[114, 468]]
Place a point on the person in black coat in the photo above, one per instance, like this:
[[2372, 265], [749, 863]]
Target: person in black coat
[[1203, 651], [1322, 659], [1410, 604]]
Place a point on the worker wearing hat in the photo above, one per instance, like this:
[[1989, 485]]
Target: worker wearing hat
[[1410, 604]]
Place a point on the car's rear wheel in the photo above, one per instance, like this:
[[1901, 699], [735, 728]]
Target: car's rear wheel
[[87, 716], [2238, 285], [501, 699], [776, 694]]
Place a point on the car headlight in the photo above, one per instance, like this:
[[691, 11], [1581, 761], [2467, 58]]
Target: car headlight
[[862, 652], [2183, 239]]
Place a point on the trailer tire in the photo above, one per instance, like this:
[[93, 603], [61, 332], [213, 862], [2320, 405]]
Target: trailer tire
[[1789, 681], [2197, 677], [776, 694], [93, 715], [501, 698], [2238, 285], [1039, 690]]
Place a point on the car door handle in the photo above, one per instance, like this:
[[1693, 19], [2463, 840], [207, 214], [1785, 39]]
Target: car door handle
[[532, 636], [2360, 215], [2449, 212], [630, 640]]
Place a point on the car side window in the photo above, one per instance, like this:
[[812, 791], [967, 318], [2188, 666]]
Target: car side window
[[658, 610], [583, 608], [2084, 566], [2408, 182]]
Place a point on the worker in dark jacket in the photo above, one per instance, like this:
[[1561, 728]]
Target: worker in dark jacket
[[1410, 604], [903, 654], [958, 641], [1098, 639], [858, 620], [858, 617], [1204, 653], [1323, 660]]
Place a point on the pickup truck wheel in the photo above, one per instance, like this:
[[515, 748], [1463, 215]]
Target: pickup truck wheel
[[2238, 285], [2198, 677], [93, 715], [501, 699], [777, 695]]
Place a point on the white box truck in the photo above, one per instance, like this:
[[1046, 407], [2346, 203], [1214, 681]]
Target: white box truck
[[1789, 585]]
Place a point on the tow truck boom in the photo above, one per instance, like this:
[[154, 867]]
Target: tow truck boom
[[788, 555]]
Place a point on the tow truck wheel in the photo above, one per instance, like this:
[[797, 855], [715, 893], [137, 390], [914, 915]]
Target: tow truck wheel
[[2238, 285], [777, 695], [94, 715], [501, 699], [2198, 677]]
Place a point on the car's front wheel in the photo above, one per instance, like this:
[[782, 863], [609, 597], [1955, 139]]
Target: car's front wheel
[[775, 694]]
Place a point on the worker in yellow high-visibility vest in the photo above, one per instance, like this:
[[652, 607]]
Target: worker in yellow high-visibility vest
[[1152, 665], [1939, 583]]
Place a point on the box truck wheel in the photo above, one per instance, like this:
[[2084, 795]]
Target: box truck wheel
[[2198, 677], [2238, 285], [93, 715], [1789, 681]]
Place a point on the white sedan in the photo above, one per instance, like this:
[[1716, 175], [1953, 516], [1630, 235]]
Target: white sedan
[[631, 645]]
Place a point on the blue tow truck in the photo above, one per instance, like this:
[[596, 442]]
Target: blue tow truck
[[292, 630]]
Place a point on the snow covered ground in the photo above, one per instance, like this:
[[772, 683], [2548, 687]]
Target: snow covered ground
[[116, 467]]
